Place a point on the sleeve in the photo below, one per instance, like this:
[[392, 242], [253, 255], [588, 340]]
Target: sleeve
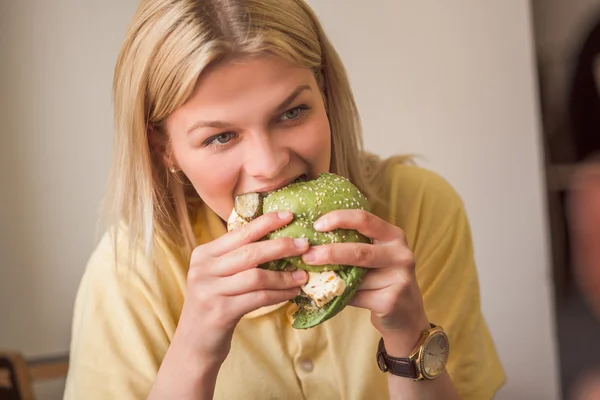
[[120, 332], [438, 231]]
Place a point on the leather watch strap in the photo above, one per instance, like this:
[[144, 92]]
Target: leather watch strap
[[397, 366]]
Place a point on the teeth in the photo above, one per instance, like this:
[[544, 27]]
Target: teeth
[[301, 178]]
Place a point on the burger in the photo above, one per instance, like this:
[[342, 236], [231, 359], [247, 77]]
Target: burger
[[329, 287]]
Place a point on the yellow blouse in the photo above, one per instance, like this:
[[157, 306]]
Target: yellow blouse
[[124, 319]]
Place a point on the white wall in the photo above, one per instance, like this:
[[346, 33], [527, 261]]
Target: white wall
[[454, 83], [56, 59]]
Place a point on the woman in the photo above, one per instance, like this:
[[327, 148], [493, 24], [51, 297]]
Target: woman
[[216, 98]]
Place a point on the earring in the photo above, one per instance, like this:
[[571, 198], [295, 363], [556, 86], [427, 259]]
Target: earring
[[173, 170]]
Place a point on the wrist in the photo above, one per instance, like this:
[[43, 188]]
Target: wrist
[[208, 344], [400, 343], [185, 373], [208, 354]]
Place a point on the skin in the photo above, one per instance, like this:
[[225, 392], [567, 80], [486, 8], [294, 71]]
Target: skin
[[259, 146]]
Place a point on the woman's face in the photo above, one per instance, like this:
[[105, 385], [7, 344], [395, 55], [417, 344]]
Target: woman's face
[[251, 125]]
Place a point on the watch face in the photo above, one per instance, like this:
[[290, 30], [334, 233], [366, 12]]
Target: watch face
[[435, 355]]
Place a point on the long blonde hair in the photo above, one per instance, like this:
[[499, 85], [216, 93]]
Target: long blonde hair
[[168, 45]]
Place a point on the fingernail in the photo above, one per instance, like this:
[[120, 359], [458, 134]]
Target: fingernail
[[284, 214], [301, 243], [299, 275], [320, 224], [309, 256]]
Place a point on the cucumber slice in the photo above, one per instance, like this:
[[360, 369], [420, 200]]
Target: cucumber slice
[[249, 205]]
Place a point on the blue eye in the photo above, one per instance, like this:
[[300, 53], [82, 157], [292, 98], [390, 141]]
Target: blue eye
[[223, 137], [219, 141], [294, 113], [291, 114]]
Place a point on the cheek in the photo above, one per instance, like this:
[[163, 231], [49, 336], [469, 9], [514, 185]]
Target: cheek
[[212, 183], [315, 145], [215, 185]]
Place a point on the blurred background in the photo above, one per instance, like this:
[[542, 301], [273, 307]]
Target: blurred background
[[480, 90]]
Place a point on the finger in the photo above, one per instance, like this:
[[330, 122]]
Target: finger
[[387, 301], [359, 254], [381, 279], [378, 301], [251, 301], [253, 254], [251, 232], [366, 223], [366, 299], [257, 279]]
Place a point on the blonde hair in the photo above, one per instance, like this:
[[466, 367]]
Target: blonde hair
[[168, 45]]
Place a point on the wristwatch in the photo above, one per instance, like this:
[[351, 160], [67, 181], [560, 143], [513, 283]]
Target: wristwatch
[[427, 361]]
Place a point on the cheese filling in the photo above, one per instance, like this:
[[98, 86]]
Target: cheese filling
[[322, 287], [235, 221]]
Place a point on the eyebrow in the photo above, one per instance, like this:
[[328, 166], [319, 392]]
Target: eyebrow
[[224, 125]]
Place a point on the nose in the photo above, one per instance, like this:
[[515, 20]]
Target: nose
[[266, 158]]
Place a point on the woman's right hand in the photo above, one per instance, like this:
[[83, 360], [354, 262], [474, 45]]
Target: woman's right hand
[[224, 283]]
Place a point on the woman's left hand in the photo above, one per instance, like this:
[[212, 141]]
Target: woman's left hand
[[390, 289]]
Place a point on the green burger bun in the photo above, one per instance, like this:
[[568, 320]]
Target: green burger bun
[[330, 287]]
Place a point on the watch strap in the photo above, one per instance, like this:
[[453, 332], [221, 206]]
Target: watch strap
[[397, 366]]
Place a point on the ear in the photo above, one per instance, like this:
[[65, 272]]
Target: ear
[[159, 144]]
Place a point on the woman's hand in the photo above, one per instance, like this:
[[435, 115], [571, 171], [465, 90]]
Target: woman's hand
[[390, 289], [224, 283]]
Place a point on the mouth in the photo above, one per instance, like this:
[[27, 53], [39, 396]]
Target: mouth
[[248, 206]]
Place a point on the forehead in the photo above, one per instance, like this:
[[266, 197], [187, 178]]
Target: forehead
[[267, 76], [241, 89]]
